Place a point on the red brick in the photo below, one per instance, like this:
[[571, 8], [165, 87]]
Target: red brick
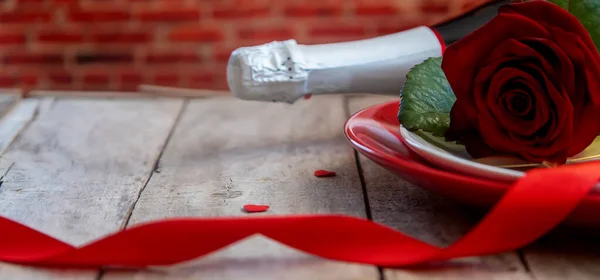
[[166, 79], [182, 14], [64, 2], [435, 7], [60, 36], [7, 80], [122, 37], [8, 37], [22, 4], [28, 79], [96, 87], [266, 34], [237, 12], [103, 58], [172, 57], [338, 31], [25, 16], [469, 5], [398, 27], [222, 54], [96, 77], [131, 78], [377, 10], [127, 87], [202, 77], [34, 58], [202, 80], [311, 11], [22, 78], [99, 16], [60, 77], [195, 34]]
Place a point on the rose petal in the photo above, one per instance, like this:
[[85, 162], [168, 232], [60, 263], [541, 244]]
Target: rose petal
[[498, 87], [563, 110], [561, 70], [549, 15], [324, 173], [513, 49], [546, 53], [252, 208], [550, 138], [461, 120], [517, 102], [552, 135], [586, 98], [476, 147], [462, 59], [553, 139]]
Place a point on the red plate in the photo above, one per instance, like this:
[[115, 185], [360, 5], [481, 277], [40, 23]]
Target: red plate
[[375, 133]]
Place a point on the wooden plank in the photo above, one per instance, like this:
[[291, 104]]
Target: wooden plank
[[15, 120], [79, 169], [8, 99], [564, 255], [17, 117], [226, 153], [428, 217], [179, 92]]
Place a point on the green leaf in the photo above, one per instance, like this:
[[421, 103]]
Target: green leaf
[[426, 98], [588, 13]]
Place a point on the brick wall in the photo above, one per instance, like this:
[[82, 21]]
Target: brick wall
[[118, 44]]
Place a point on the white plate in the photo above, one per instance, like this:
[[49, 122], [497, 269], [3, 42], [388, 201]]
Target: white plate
[[461, 163], [451, 156]]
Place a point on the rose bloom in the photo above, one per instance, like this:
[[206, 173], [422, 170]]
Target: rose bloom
[[527, 84]]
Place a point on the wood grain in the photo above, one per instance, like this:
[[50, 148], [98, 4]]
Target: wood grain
[[564, 255], [8, 100], [15, 114], [427, 217], [179, 92], [78, 169], [226, 153]]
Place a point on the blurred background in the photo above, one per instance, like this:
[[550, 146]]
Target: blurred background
[[115, 45]]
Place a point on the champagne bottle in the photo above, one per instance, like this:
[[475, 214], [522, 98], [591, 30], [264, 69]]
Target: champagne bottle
[[456, 28], [285, 71]]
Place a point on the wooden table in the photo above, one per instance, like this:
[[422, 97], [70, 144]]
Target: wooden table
[[81, 168]]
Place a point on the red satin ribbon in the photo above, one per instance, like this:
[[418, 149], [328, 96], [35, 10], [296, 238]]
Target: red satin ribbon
[[533, 206]]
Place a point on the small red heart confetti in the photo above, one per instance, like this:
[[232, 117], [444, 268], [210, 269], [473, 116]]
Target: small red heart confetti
[[252, 208], [324, 173], [308, 96]]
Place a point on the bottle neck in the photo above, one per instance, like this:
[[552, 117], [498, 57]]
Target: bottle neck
[[457, 28]]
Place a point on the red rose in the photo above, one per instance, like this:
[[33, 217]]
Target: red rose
[[527, 83]]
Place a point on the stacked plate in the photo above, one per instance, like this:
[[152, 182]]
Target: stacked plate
[[446, 168]]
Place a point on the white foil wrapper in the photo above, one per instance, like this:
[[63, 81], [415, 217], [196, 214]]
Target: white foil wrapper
[[286, 71]]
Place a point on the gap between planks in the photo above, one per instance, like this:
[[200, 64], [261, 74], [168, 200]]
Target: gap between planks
[[156, 163], [149, 177], [361, 176], [14, 118]]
